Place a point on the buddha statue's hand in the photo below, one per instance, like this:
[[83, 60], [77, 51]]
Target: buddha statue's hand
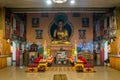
[[53, 39]]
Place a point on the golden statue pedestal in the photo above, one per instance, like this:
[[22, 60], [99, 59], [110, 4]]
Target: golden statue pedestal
[[56, 46], [61, 42]]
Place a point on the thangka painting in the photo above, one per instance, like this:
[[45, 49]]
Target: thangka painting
[[82, 34], [106, 36], [39, 34], [97, 29], [35, 22], [112, 26], [7, 31], [85, 22], [7, 25]]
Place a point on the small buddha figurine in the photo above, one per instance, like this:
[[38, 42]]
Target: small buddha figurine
[[60, 34]]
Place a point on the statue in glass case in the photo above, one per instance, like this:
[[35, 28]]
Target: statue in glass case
[[61, 57]]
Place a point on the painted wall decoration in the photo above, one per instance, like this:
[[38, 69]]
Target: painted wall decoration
[[82, 34], [35, 22], [48, 25], [85, 22], [39, 34]]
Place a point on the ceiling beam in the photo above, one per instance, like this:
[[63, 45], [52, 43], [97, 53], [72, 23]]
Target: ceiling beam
[[59, 9]]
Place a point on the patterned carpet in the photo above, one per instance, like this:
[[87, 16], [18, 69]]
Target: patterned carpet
[[60, 77], [60, 69]]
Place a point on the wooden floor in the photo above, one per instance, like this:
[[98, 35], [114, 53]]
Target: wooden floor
[[18, 73], [60, 69]]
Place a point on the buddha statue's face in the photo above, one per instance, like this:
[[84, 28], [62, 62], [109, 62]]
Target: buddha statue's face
[[60, 24]]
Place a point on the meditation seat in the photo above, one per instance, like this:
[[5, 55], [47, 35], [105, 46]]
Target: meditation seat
[[49, 61], [84, 65], [88, 68], [42, 66], [71, 60], [82, 59], [32, 67], [79, 66]]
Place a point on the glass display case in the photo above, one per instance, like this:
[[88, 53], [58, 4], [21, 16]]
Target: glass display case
[[61, 57]]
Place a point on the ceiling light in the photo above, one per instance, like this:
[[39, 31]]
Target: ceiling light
[[59, 1], [72, 1], [49, 2]]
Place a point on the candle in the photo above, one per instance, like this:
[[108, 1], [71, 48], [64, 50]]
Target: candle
[[45, 45], [45, 49], [75, 45]]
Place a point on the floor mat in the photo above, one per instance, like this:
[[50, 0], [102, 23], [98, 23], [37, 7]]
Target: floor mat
[[60, 77]]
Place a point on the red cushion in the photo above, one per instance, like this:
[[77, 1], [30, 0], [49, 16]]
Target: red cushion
[[88, 65], [49, 59], [84, 61], [79, 57], [38, 59], [33, 65]]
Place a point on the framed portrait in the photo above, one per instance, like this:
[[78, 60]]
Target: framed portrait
[[39, 34], [35, 22], [82, 34], [85, 22]]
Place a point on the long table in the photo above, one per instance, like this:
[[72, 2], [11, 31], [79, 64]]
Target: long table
[[3, 61]]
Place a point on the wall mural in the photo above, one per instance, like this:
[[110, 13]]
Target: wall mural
[[60, 28]]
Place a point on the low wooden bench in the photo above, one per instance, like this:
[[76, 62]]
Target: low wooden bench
[[79, 66], [42, 66], [33, 67], [88, 68]]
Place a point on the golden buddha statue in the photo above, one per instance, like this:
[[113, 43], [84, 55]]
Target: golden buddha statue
[[60, 35]]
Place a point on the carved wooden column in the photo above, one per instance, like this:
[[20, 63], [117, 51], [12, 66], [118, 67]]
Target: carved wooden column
[[2, 21]]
